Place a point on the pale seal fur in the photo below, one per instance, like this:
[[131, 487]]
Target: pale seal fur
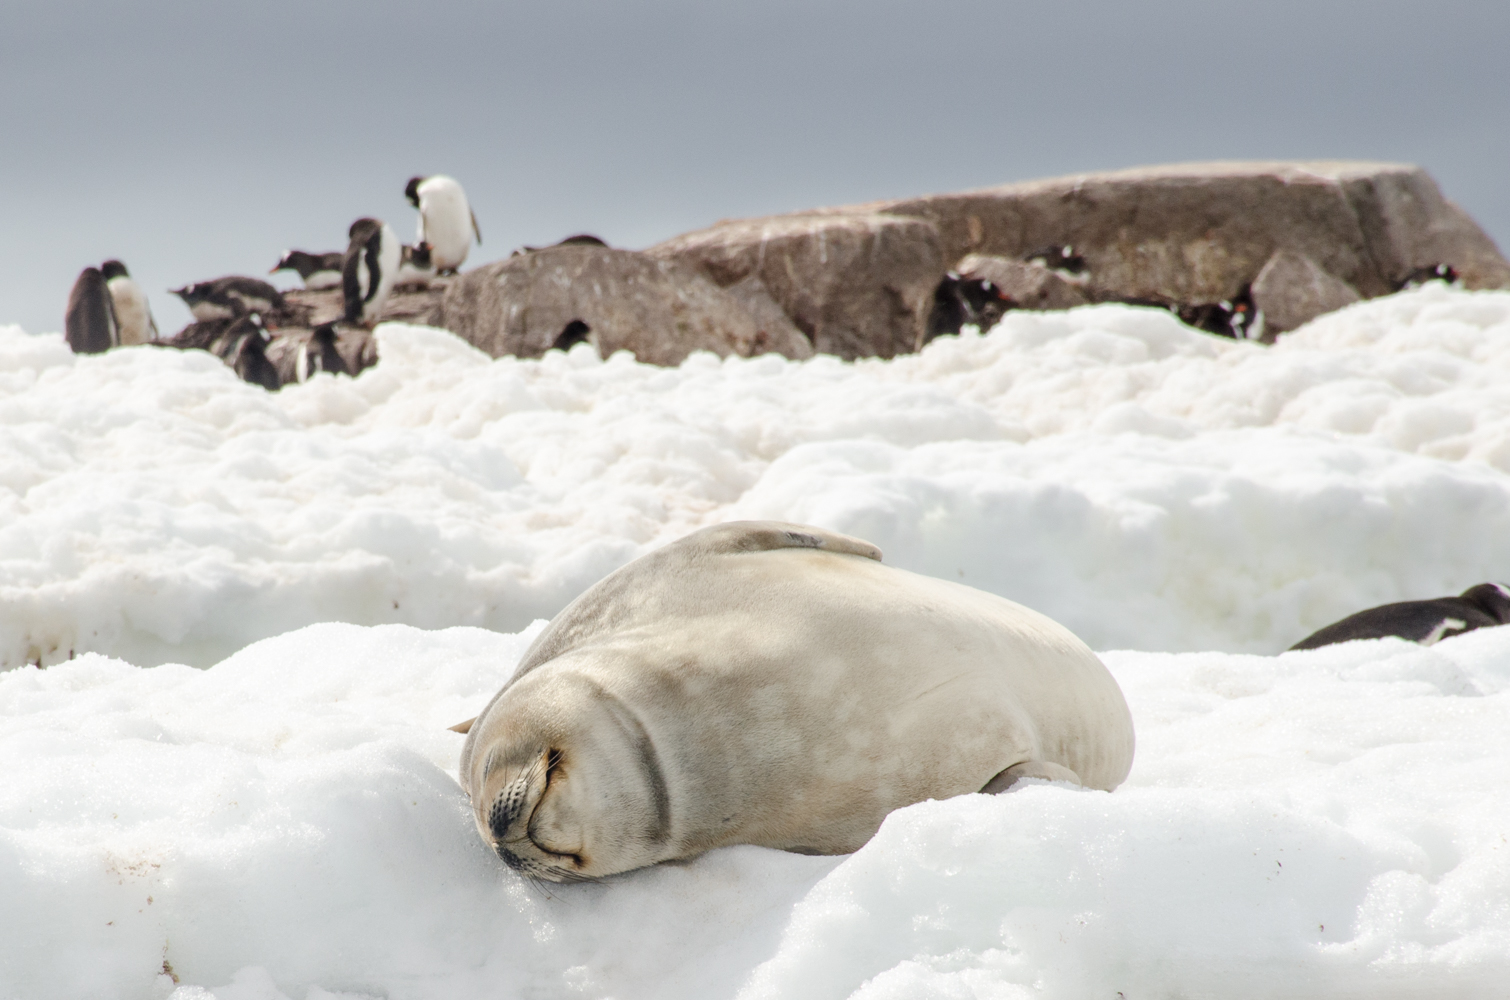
[[774, 684]]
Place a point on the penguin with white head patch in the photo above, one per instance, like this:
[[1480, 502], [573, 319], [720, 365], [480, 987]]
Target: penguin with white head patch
[[133, 316], [316, 270], [89, 324], [446, 221], [369, 270], [415, 268], [228, 297]]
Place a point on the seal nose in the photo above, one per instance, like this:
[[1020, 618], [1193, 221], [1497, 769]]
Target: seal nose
[[500, 818]]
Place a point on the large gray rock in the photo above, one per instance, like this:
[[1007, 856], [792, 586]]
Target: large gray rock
[[1292, 290], [857, 284], [658, 309], [1200, 232]]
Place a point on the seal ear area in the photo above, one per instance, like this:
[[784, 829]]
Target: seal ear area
[[764, 536], [1047, 770]]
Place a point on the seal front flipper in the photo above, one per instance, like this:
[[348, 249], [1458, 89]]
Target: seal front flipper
[[763, 536], [1046, 770]]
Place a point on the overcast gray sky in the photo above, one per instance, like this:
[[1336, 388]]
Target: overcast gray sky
[[194, 139]]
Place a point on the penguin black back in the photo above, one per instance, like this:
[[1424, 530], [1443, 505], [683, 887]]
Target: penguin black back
[[362, 256], [249, 357], [1426, 622], [321, 354], [89, 324]]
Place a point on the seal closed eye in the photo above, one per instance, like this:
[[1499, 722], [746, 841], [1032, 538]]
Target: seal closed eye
[[774, 684]]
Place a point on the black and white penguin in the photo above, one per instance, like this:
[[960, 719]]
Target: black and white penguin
[[1057, 258], [446, 221], [1236, 317], [246, 352], [1426, 622], [415, 268], [959, 301], [369, 270], [133, 316], [317, 270], [1432, 272], [89, 325], [319, 354], [233, 295]]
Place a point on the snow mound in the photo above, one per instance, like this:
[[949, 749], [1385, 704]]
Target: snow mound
[[1148, 485], [287, 825]]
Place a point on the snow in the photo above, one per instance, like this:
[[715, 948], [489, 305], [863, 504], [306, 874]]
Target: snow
[[1150, 486], [286, 823]]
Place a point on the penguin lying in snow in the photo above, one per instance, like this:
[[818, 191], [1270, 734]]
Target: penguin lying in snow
[[1432, 272], [1426, 622], [319, 354], [958, 301], [89, 325], [317, 270], [133, 316], [369, 270], [247, 353], [230, 296], [446, 221], [1236, 317]]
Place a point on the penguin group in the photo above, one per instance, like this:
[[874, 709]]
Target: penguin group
[[239, 318]]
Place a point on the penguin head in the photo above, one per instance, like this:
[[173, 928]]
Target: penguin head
[[417, 255], [192, 293], [296, 260], [364, 229], [114, 269], [411, 190], [325, 333]]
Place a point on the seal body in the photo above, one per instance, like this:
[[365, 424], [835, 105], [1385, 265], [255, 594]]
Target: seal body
[[774, 684], [1427, 622]]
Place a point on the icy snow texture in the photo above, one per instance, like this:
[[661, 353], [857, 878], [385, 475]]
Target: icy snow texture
[[1149, 486], [286, 824]]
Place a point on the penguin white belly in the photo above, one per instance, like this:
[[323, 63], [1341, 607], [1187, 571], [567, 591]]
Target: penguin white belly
[[445, 222], [323, 279], [390, 251], [132, 316]]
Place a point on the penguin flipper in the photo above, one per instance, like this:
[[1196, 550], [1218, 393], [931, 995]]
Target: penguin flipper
[[475, 231]]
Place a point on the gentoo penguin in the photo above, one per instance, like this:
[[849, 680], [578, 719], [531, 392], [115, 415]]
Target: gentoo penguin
[[959, 300], [318, 270], [247, 353], [1426, 622], [1432, 272], [1057, 258], [89, 324], [415, 266], [319, 354], [232, 295], [133, 317], [446, 221], [369, 270], [1236, 317]]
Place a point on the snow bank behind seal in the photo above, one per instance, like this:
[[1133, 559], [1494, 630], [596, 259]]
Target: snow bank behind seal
[[1147, 485]]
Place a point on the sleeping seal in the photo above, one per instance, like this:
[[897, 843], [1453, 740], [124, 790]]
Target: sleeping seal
[[774, 684]]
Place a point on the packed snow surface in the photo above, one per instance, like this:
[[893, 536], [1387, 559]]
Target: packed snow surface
[[286, 824], [1148, 485]]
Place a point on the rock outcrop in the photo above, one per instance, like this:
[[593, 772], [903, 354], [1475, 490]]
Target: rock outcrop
[[857, 284], [658, 309], [1201, 232], [1292, 290]]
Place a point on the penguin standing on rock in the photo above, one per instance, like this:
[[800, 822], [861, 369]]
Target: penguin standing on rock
[[133, 316], [230, 296], [446, 221], [319, 354], [316, 270], [90, 324], [415, 268], [369, 270]]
